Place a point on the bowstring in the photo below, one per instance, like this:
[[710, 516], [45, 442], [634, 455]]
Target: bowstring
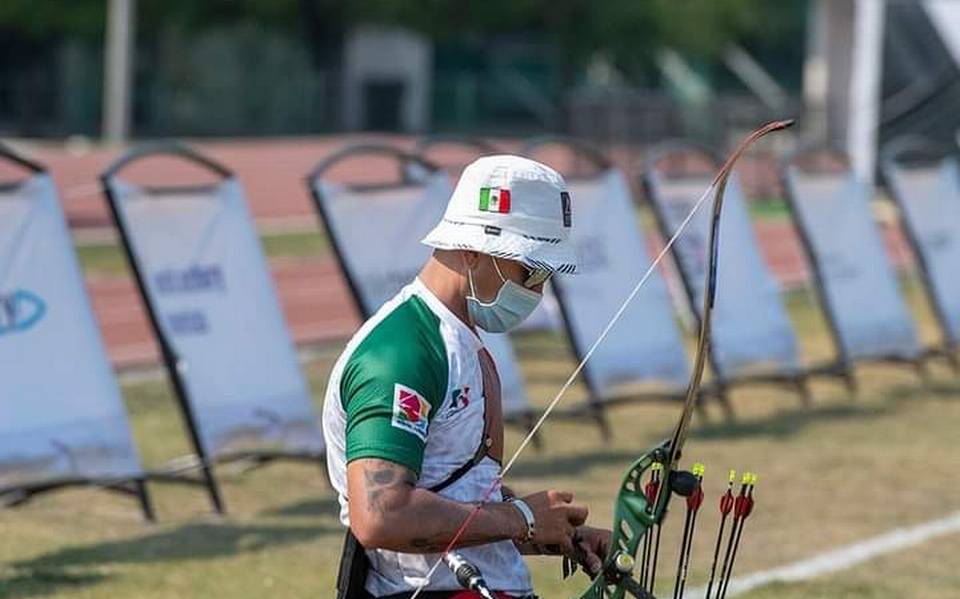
[[497, 481]]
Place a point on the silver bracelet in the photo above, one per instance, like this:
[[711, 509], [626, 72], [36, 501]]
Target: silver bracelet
[[527, 514]]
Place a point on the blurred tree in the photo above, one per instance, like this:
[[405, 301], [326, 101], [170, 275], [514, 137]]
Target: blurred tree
[[627, 32], [43, 19], [191, 14], [52, 18], [550, 42]]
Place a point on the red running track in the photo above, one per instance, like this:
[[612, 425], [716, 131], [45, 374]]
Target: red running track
[[313, 293], [272, 171], [319, 308]]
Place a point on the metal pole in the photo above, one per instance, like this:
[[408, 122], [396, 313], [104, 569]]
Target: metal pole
[[816, 65], [118, 70], [864, 106]]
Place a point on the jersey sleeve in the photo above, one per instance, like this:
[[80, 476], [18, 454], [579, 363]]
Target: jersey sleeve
[[393, 385]]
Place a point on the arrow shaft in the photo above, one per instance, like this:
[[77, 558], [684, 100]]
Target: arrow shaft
[[716, 555], [645, 561], [686, 558], [737, 522], [656, 557], [684, 547], [733, 557]]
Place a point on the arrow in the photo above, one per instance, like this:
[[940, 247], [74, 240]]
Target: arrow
[[694, 501], [738, 506], [741, 512], [656, 557], [650, 491], [726, 505]]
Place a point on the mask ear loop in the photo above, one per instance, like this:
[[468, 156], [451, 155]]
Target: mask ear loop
[[473, 290], [496, 267]]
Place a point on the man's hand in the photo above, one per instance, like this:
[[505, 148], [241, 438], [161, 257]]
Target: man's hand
[[592, 546], [556, 517]]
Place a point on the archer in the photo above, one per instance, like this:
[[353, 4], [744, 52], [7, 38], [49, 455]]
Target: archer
[[412, 413]]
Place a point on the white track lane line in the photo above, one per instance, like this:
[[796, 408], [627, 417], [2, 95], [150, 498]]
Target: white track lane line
[[842, 558]]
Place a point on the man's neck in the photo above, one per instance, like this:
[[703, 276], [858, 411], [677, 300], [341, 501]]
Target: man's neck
[[446, 284]]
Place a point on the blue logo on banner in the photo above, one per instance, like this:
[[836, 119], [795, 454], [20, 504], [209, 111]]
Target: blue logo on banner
[[197, 278], [19, 311], [190, 322]]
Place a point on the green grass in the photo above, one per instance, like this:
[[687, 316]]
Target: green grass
[[102, 259], [769, 208], [107, 259], [844, 470], [295, 245]]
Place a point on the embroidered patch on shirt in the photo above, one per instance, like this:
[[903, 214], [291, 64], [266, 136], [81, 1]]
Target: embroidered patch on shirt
[[459, 399], [410, 411]]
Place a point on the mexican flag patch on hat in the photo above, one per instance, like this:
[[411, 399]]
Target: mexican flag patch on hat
[[495, 199]]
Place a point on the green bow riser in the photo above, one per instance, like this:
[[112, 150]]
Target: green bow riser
[[634, 517]]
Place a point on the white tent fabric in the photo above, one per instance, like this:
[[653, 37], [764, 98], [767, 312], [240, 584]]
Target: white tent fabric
[[870, 315], [945, 16], [645, 346], [929, 200], [752, 333], [398, 218], [62, 417], [211, 290]]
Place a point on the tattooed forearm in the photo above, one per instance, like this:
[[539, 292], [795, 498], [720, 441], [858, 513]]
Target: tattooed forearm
[[388, 511], [447, 524], [381, 478]]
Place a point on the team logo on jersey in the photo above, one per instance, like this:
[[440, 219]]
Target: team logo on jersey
[[410, 411], [459, 398]]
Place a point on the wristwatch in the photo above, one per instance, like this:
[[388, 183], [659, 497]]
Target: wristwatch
[[527, 513]]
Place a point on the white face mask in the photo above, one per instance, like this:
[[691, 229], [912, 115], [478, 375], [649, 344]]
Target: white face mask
[[513, 304]]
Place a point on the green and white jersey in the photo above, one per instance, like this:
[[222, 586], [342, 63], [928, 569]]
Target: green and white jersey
[[409, 388]]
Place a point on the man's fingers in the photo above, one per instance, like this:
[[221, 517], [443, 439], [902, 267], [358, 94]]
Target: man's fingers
[[589, 559], [577, 514], [564, 496], [593, 564]]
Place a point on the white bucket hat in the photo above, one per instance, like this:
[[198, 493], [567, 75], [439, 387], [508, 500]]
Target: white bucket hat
[[510, 207]]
